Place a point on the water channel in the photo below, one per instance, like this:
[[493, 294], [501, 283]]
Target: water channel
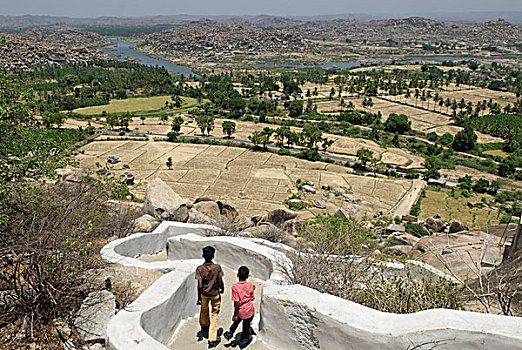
[[124, 51]]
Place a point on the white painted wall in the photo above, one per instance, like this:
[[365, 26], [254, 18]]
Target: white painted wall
[[232, 252], [125, 250], [297, 317], [152, 318], [292, 317]]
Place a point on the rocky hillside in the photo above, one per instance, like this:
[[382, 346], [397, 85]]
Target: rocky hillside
[[50, 45], [212, 37], [414, 29]]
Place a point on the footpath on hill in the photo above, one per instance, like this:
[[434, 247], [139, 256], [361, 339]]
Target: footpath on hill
[[186, 337]]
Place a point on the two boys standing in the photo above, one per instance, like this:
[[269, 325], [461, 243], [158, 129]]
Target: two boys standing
[[210, 288]]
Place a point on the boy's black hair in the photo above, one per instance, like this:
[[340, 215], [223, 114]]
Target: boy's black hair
[[242, 273], [208, 253]]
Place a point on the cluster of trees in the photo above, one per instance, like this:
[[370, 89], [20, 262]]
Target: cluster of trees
[[94, 83], [121, 120], [310, 137], [507, 126], [359, 118], [397, 123], [480, 185], [205, 123]]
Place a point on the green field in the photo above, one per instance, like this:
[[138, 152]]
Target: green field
[[137, 104], [451, 209]]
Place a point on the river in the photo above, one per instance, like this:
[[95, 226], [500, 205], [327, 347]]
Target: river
[[123, 50]]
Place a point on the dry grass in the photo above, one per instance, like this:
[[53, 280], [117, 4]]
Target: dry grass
[[450, 209], [497, 152]]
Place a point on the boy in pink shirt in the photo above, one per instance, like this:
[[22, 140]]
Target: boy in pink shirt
[[242, 296]]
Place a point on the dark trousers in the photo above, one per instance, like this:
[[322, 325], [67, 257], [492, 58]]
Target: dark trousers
[[245, 333]]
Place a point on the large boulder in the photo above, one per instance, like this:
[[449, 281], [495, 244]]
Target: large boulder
[[70, 175], [145, 223], [401, 238], [112, 159], [241, 222], [351, 198], [309, 189], [400, 250], [435, 224], [347, 211], [269, 232], [127, 178], [195, 217], [208, 208], [278, 216], [457, 226], [94, 314], [227, 210], [163, 203]]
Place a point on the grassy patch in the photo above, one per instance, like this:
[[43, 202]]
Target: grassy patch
[[136, 104], [450, 208], [497, 152]]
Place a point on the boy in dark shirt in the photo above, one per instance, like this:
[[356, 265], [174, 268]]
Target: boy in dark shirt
[[210, 288]]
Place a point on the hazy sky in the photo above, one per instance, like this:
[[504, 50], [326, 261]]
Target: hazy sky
[[90, 8]]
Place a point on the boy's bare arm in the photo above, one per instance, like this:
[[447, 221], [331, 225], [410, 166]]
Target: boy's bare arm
[[200, 287], [235, 317], [221, 285]]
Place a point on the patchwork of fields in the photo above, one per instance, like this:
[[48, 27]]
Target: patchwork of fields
[[223, 172]]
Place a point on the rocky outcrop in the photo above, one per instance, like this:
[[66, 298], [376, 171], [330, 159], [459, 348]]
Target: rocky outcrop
[[145, 223], [195, 217], [94, 315], [112, 159], [163, 203], [218, 38], [435, 224], [400, 250], [457, 226], [208, 208], [278, 217], [48, 45], [401, 238]]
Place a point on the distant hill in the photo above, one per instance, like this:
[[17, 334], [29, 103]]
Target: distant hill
[[514, 17]]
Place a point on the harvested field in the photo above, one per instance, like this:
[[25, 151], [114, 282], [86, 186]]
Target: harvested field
[[223, 172], [422, 119], [474, 94], [345, 146]]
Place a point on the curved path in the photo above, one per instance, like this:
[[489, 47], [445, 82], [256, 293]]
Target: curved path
[[186, 338]]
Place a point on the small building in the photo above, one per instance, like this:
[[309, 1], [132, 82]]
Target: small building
[[436, 182], [410, 218], [443, 182]]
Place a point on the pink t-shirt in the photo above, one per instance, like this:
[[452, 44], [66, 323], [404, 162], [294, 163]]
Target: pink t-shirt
[[243, 292]]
